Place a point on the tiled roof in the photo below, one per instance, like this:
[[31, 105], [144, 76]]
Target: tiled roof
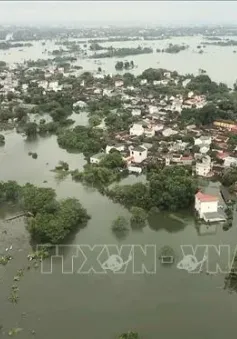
[[206, 197]]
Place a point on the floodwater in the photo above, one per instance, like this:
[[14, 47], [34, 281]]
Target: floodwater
[[167, 304], [188, 61]]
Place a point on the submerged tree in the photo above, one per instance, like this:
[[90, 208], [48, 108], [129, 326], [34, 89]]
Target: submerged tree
[[120, 227], [129, 335]]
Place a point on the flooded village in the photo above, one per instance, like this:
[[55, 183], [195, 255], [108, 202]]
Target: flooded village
[[97, 149]]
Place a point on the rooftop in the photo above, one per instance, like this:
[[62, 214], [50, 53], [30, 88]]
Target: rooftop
[[138, 149], [206, 197], [98, 155]]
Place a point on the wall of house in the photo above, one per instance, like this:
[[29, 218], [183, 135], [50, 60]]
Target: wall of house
[[138, 157], [202, 169], [136, 130], [205, 207], [94, 160]]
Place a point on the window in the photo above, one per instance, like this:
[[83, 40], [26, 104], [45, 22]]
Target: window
[[140, 154], [132, 152]]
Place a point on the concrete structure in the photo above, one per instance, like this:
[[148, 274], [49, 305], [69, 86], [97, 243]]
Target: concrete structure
[[230, 161], [118, 147], [207, 208], [96, 158], [138, 154], [118, 83], [134, 169], [137, 129], [205, 203], [203, 141], [153, 109], [168, 132], [143, 82], [136, 112], [203, 167]]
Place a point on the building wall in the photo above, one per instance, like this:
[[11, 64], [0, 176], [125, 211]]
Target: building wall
[[118, 148], [138, 157], [202, 169], [136, 130], [205, 207], [94, 160]]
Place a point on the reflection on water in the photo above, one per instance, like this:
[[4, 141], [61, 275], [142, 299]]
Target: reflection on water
[[163, 221]]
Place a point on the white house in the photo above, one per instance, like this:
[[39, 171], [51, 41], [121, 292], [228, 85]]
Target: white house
[[118, 83], [203, 141], [203, 168], [99, 76], [138, 154], [230, 161], [43, 84], [205, 203], [118, 147], [136, 112], [150, 131], [168, 132], [96, 158], [153, 109], [167, 75], [54, 86], [143, 82], [107, 92], [204, 148], [137, 129], [80, 104]]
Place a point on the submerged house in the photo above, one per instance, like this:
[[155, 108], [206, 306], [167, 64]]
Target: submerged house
[[207, 207]]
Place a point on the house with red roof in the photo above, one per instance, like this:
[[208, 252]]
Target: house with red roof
[[207, 207]]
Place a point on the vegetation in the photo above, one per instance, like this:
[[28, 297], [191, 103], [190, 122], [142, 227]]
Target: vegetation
[[120, 227], [120, 65], [173, 49], [229, 177], [82, 139], [2, 140], [204, 85], [51, 221], [129, 335], [138, 217], [171, 188], [122, 52]]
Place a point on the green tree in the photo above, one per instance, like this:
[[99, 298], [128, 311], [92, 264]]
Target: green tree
[[37, 199], [113, 160], [120, 227], [2, 140], [55, 227], [129, 335], [31, 129], [139, 216]]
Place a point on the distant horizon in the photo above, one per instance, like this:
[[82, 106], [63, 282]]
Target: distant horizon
[[158, 13]]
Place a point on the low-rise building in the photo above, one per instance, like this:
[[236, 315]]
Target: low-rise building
[[168, 132], [230, 161], [136, 112], [118, 147], [118, 83], [207, 207], [203, 140], [205, 203], [96, 158], [138, 154], [137, 129], [203, 167]]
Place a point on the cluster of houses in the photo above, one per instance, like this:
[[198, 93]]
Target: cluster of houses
[[152, 118]]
